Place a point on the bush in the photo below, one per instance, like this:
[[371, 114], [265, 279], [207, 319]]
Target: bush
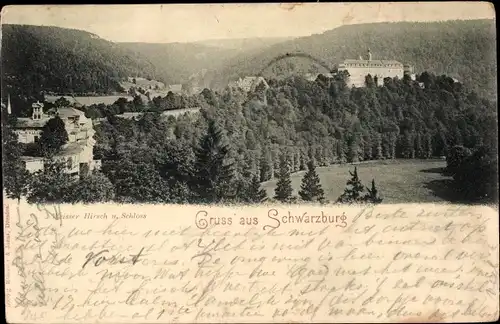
[[477, 176], [455, 158]]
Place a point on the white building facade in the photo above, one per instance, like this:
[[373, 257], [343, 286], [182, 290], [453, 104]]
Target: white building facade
[[378, 69], [77, 153]]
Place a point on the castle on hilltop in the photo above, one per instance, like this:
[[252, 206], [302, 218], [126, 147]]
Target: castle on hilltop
[[378, 69]]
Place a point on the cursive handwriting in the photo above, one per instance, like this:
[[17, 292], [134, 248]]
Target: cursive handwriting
[[353, 264]]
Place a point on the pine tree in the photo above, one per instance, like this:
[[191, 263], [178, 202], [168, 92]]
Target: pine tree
[[352, 148], [428, 148], [408, 146], [377, 146], [354, 189], [296, 157], [283, 190], [393, 138], [418, 146], [214, 176], [367, 146], [372, 195], [245, 171], [256, 194], [310, 189], [341, 150], [266, 166], [53, 136]]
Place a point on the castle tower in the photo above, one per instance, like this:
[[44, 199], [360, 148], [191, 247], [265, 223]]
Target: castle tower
[[37, 110], [408, 69], [369, 55]]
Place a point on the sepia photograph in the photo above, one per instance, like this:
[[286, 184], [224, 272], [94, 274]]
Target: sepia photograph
[[393, 111], [250, 163]]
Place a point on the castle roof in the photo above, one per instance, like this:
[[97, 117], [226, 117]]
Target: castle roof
[[373, 62], [68, 150], [175, 88], [52, 99], [66, 112]]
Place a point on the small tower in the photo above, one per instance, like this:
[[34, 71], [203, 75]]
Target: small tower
[[37, 110], [9, 108], [408, 69], [369, 55]]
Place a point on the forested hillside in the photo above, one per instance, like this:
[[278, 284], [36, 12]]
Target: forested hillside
[[178, 62], [51, 59], [239, 140], [324, 120], [60, 60], [244, 44], [465, 50], [186, 63]]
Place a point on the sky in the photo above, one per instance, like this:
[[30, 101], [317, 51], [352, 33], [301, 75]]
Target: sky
[[154, 23]]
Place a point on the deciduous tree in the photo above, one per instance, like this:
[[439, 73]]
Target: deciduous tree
[[92, 188], [52, 184], [53, 136]]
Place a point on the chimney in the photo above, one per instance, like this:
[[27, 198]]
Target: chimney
[[369, 55]]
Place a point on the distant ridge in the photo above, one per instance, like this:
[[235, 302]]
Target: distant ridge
[[62, 60], [464, 49]]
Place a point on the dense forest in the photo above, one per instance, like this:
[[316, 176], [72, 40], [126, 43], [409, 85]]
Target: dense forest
[[61, 60], [465, 50], [39, 59], [239, 140], [187, 63]]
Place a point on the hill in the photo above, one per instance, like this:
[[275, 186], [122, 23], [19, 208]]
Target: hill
[[297, 119], [178, 62], [38, 59], [244, 44], [461, 49], [188, 62], [61, 60]]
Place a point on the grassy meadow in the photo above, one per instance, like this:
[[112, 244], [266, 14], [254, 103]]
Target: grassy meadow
[[398, 181]]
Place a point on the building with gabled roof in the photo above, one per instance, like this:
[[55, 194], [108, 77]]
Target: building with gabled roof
[[77, 152], [378, 69]]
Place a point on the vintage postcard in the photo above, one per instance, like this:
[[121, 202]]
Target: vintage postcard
[[250, 163]]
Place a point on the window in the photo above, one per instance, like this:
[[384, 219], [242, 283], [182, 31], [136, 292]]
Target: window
[[36, 139], [84, 169], [69, 163]]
